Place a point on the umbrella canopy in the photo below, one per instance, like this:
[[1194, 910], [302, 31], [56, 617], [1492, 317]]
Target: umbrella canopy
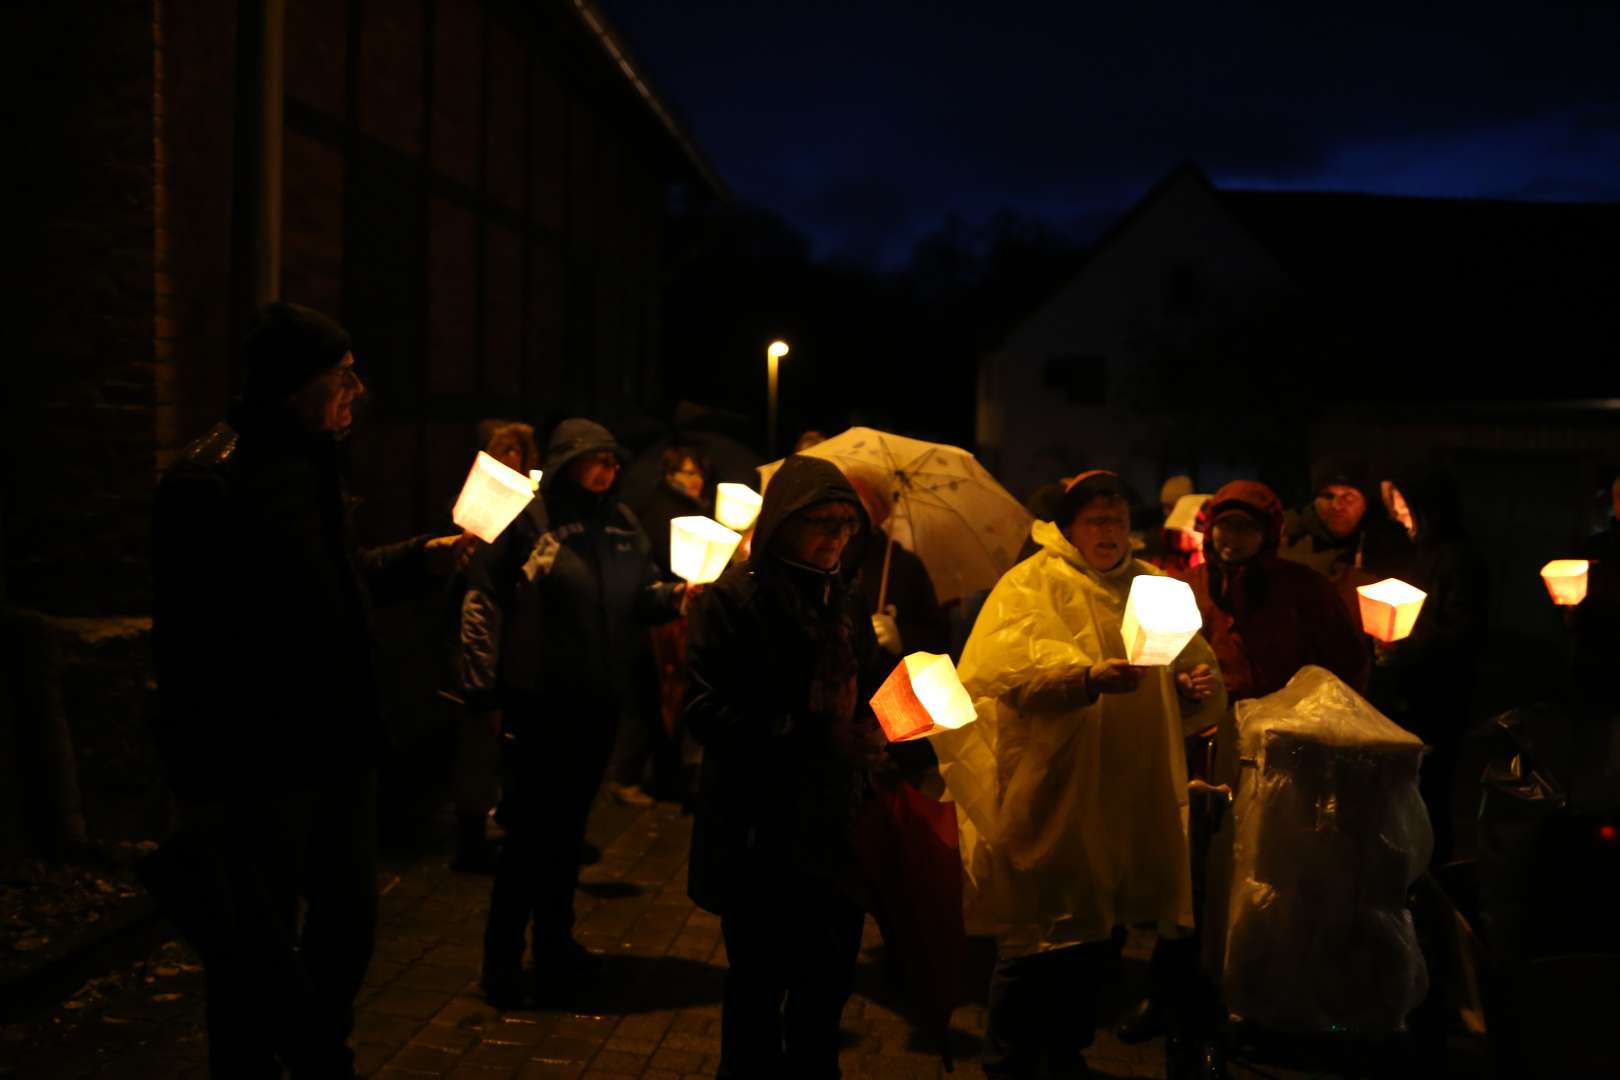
[[945, 506]]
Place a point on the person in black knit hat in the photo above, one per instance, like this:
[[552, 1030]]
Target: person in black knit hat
[[269, 722]]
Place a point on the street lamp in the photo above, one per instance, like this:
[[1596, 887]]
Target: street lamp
[[775, 352]]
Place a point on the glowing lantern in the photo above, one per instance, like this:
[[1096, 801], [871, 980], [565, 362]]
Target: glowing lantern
[[1161, 616], [535, 476], [1566, 580], [922, 695], [1389, 608], [736, 506], [492, 496], [700, 548]]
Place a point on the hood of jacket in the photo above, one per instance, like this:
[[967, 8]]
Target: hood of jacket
[[1052, 539], [1431, 498], [1250, 495], [571, 439], [800, 483]]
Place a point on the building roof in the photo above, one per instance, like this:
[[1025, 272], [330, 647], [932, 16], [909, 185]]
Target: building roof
[[618, 54]]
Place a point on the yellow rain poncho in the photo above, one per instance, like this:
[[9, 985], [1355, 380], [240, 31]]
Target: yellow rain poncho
[[1072, 811]]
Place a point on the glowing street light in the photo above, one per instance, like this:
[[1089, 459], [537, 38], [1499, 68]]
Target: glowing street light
[[775, 352]]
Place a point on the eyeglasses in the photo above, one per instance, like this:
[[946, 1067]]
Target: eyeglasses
[[833, 524]]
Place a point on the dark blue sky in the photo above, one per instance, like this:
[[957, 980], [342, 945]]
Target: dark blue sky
[[866, 124]]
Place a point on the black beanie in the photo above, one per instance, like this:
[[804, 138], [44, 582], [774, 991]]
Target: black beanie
[[1340, 469], [289, 345]]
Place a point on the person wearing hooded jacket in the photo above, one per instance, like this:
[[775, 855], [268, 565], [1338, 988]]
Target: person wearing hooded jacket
[[1422, 682], [549, 622], [781, 661], [1071, 787], [269, 721]]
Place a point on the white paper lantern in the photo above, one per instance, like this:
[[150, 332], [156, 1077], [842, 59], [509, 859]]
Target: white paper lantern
[[700, 548], [1184, 515], [1566, 580], [1389, 608], [492, 496], [736, 506], [922, 695], [1161, 616]]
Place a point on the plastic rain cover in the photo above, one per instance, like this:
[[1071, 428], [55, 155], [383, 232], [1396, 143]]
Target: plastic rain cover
[[1329, 833]]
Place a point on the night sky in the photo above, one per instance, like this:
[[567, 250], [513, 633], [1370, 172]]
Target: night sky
[[866, 124]]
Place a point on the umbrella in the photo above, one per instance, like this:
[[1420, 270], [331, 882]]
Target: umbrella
[[947, 508]]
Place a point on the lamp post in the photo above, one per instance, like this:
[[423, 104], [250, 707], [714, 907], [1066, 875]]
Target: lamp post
[[775, 352]]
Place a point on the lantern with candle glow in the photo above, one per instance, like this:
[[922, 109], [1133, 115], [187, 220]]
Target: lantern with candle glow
[[922, 695], [700, 548], [535, 476], [1161, 616], [1389, 608], [736, 506], [492, 496], [1566, 580]]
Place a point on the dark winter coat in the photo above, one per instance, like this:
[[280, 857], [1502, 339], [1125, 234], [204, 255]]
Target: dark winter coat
[[556, 605], [1595, 622], [1269, 617], [922, 622], [264, 652], [664, 505], [1424, 679], [779, 656]]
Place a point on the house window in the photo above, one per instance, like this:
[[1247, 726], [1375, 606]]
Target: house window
[[1081, 379]]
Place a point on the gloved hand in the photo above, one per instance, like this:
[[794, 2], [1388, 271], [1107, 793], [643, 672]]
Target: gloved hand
[[888, 631]]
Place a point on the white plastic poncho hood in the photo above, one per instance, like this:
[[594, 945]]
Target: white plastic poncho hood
[[1072, 812]]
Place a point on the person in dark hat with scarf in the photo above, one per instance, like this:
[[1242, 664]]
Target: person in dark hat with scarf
[[269, 722], [781, 663], [551, 620], [1342, 533]]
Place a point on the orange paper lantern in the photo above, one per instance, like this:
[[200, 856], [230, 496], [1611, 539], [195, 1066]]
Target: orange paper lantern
[[922, 695], [1566, 580], [492, 496], [1389, 608]]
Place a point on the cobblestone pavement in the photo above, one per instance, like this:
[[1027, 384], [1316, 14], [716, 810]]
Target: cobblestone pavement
[[654, 1013]]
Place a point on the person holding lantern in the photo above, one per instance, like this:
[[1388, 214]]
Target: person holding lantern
[[549, 623], [475, 779], [1342, 533], [781, 662], [269, 722], [1072, 785], [1422, 682]]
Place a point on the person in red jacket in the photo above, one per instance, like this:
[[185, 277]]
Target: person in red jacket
[[1265, 618]]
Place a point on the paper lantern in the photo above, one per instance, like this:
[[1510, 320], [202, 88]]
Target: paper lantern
[[1390, 608], [921, 695], [1566, 580], [492, 496], [535, 476], [1184, 515], [1161, 616], [700, 548], [736, 506]]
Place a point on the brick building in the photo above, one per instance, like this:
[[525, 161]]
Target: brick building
[[476, 189]]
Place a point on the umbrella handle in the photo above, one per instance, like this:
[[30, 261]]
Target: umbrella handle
[[883, 582]]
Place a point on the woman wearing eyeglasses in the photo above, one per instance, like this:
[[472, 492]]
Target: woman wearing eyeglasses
[[781, 663]]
